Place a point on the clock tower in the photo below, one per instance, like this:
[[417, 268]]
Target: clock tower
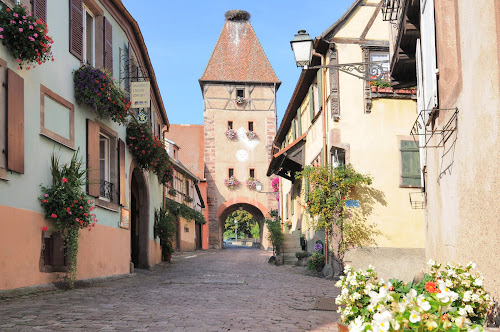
[[239, 90]]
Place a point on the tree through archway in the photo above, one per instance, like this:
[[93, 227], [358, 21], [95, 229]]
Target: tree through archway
[[241, 224]]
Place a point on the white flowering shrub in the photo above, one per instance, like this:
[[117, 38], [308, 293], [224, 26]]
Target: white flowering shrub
[[451, 299]]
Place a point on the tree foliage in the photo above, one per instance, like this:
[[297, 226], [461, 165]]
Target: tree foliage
[[245, 222], [329, 189], [165, 228], [275, 234]]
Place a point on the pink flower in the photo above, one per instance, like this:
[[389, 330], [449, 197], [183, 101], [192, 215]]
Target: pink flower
[[20, 29], [1, 29], [46, 195], [31, 27], [35, 35], [53, 215], [77, 219], [64, 180], [45, 228], [1, 36], [15, 15]]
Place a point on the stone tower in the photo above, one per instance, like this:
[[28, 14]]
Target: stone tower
[[239, 91]]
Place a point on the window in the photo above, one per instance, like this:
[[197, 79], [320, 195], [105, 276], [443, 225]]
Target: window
[[104, 169], [240, 93], [187, 187], [250, 125], [252, 172], [88, 37], [53, 253], [410, 164], [379, 56], [337, 157], [230, 172], [230, 125], [56, 118]]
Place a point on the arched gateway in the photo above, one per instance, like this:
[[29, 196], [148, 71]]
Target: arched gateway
[[239, 91]]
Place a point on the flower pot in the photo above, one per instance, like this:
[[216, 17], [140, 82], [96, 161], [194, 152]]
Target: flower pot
[[342, 328], [320, 267], [374, 88], [385, 90]]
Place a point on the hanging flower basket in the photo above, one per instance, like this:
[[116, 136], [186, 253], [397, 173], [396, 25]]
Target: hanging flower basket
[[96, 89], [251, 135], [231, 134], [252, 183], [231, 182], [240, 101], [275, 184], [25, 37]]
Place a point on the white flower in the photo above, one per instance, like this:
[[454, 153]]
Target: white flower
[[462, 312], [449, 283], [446, 295], [377, 297], [357, 325], [414, 317], [479, 281], [469, 309], [431, 262], [471, 264], [422, 303], [395, 325], [467, 296], [475, 298], [381, 320]]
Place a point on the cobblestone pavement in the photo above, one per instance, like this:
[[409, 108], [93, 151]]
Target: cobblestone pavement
[[225, 290]]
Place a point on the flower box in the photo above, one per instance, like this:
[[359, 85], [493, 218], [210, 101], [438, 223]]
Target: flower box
[[251, 135], [231, 134], [25, 36], [240, 101], [231, 182], [252, 183]]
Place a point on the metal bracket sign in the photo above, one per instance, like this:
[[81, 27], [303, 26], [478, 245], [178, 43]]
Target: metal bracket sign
[[142, 117], [352, 203], [140, 95]]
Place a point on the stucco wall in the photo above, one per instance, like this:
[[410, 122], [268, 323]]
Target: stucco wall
[[462, 219]]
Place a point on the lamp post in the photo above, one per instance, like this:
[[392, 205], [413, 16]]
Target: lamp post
[[236, 228]]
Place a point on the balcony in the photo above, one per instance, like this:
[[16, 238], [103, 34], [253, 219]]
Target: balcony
[[404, 16], [106, 191]]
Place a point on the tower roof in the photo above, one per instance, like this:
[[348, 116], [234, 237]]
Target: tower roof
[[238, 55]]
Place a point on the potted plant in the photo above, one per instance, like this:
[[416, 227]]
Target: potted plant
[[172, 192], [252, 183], [240, 100], [231, 182], [231, 134], [452, 299], [316, 262], [165, 229], [302, 257], [251, 134], [25, 36]]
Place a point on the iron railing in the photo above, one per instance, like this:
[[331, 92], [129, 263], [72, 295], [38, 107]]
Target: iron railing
[[106, 191]]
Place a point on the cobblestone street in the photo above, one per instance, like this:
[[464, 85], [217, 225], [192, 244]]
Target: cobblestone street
[[229, 290]]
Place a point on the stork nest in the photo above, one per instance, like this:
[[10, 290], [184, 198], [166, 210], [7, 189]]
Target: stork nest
[[237, 15]]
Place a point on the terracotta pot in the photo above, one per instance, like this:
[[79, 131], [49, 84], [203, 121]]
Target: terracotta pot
[[342, 327], [387, 90], [374, 88]]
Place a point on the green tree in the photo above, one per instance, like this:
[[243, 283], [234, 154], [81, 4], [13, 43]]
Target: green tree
[[255, 231], [325, 202], [275, 234], [245, 222]]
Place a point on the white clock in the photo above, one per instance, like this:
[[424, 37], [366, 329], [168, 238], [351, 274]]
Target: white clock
[[242, 155]]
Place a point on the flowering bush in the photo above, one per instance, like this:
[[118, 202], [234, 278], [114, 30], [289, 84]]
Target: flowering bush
[[231, 183], [66, 204], [316, 261], [251, 134], [240, 100], [149, 151], [252, 183], [25, 36], [95, 88], [231, 134], [318, 247], [451, 299], [275, 184]]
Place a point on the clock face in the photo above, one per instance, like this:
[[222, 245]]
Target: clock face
[[242, 155]]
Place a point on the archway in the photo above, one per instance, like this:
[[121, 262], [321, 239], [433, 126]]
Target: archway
[[256, 209], [139, 220]]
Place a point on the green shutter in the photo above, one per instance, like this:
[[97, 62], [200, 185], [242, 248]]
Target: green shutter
[[320, 90], [410, 164], [311, 102], [294, 130]]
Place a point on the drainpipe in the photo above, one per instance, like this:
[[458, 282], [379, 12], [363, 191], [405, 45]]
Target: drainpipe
[[323, 117]]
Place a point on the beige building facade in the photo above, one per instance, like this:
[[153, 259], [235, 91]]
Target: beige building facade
[[458, 74]]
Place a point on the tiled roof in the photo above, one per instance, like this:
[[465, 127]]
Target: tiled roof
[[190, 139], [238, 56]]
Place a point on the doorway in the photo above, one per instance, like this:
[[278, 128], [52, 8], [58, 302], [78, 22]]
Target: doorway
[[139, 220]]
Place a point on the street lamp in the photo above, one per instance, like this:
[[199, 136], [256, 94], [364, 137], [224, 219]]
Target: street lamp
[[303, 51], [258, 187], [236, 228], [302, 46]]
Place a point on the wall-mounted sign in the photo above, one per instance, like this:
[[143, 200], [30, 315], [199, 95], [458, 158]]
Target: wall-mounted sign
[[140, 94], [142, 116], [125, 218], [352, 203]]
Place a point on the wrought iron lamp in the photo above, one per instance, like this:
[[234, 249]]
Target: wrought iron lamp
[[303, 50]]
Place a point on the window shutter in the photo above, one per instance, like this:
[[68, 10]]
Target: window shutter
[[299, 123], [108, 45], [15, 122], [311, 102], [76, 28], [320, 90], [121, 172], [40, 9], [93, 176], [410, 164]]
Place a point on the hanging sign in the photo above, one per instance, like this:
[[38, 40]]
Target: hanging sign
[[142, 117], [140, 94], [352, 203], [125, 218]]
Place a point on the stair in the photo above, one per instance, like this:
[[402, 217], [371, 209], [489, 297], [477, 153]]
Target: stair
[[291, 245]]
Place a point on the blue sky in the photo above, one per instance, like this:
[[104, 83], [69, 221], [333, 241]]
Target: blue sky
[[180, 37]]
